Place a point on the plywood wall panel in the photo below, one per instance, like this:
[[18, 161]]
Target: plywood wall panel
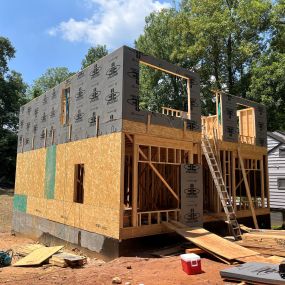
[[30, 173], [160, 131], [100, 211]]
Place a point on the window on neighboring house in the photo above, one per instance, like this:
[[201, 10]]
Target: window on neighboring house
[[79, 183], [282, 151], [281, 183], [65, 101]]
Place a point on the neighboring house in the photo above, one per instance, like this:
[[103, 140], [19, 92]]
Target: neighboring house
[[276, 169]]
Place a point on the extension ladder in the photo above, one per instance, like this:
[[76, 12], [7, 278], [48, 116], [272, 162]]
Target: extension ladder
[[221, 187]]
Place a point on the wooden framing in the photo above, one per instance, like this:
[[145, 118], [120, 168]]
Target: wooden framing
[[135, 182], [157, 148], [172, 112], [157, 153], [178, 74], [132, 181], [188, 98], [65, 101], [246, 125], [79, 172], [149, 142], [248, 193], [163, 69]]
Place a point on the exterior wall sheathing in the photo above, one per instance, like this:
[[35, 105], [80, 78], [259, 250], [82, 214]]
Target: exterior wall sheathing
[[102, 163]]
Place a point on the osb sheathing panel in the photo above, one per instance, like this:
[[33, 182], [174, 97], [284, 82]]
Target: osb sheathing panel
[[30, 173], [246, 120], [100, 212], [248, 149], [160, 131]]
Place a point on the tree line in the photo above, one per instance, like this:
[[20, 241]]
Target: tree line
[[237, 46]]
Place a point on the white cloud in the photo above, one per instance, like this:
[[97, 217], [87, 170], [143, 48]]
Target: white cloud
[[114, 22]]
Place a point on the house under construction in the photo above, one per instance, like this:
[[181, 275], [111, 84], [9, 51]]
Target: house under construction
[[94, 169]]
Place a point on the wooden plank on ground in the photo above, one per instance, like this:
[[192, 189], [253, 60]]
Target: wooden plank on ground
[[213, 243], [38, 256], [195, 250], [222, 259], [24, 250], [245, 228], [198, 251], [269, 242], [167, 252], [265, 250], [259, 258]]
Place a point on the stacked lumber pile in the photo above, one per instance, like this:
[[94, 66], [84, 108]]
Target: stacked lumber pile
[[271, 242], [65, 259]]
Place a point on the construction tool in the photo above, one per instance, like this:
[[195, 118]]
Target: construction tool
[[221, 187]]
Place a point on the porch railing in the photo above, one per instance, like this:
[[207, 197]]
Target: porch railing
[[156, 217]]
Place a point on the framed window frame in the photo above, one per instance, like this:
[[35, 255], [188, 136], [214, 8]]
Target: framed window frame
[[279, 182], [79, 173]]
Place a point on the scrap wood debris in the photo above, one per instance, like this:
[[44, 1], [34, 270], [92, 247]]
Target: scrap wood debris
[[65, 259], [26, 249], [37, 254], [226, 251], [270, 242]]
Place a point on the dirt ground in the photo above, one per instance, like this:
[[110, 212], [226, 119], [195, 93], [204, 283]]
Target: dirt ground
[[136, 270], [6, 202]]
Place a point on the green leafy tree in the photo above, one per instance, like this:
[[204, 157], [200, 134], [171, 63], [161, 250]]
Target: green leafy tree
[[12, 96], [278, 27], [94, 54], [48, 80], [228, 37], [268, 72], [218, 38], [268, 87], [162, 38]]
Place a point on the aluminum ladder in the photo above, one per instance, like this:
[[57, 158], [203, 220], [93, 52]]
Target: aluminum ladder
[[221, 187]]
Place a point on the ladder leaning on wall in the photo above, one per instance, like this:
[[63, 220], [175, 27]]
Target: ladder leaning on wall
[[216, 172]]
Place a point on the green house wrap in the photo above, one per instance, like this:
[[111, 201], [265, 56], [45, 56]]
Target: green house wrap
[[50, 172], [20, 203]]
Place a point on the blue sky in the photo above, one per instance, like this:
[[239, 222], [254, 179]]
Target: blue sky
[[51, 33]]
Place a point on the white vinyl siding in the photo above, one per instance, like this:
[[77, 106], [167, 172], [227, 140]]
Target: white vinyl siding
[[276, 170], [271, 143]]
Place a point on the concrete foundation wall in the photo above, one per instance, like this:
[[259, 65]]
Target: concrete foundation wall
[[47, 231]]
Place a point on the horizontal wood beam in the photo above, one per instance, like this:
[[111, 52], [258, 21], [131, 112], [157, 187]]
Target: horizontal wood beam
[[162, 69]]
